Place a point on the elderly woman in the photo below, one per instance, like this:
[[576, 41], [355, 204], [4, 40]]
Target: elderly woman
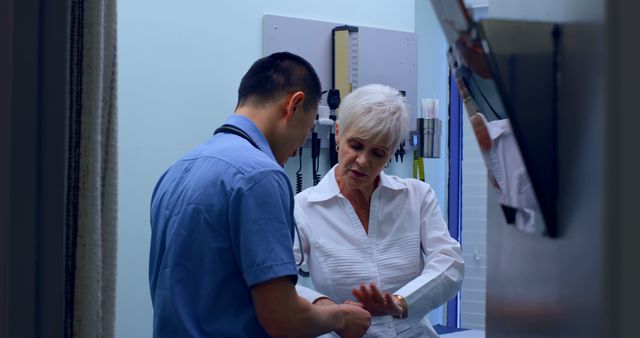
[[372, 239]]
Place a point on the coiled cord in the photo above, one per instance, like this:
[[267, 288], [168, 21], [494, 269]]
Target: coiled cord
[[315, 157], [299, 173]]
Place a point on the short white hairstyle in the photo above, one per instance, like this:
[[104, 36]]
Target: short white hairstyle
[[375, 112]]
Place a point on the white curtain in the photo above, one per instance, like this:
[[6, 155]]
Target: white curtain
[[91, 232]]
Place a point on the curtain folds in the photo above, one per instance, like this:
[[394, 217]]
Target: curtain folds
[[91, 231]]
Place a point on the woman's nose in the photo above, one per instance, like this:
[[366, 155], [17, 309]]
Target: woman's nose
[[362, 159]]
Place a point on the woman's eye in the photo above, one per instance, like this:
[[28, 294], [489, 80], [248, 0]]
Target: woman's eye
[[379, 154], [355, 145]]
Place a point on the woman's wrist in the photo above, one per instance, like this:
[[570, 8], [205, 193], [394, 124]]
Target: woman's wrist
[[403, 304]]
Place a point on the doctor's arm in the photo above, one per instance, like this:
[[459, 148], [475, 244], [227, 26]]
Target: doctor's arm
[[282, 313]]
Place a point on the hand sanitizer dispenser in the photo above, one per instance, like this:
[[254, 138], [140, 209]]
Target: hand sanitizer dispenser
[[431, 127]]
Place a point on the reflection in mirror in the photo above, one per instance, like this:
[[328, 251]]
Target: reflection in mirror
[[477, 82], [506, 170]]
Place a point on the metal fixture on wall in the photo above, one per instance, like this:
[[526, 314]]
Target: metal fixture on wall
[[431, 128]]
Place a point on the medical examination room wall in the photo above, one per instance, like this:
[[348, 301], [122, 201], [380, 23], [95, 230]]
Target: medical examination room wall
[[180, 65]]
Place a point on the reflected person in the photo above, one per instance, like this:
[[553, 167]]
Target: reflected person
[[505, 166], [506, 170]]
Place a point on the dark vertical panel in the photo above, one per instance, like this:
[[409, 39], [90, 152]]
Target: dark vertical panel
[[23, 165], [52, 149], [455, 183], [32, 77], [5, 134], [623, 166]]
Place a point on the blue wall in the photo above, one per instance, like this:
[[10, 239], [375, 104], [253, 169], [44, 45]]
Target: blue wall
[[179, 68]]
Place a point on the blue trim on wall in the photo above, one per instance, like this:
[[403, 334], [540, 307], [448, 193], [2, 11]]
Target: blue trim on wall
[[455, 184]]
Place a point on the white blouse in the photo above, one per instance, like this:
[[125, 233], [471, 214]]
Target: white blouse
[[408, 250]]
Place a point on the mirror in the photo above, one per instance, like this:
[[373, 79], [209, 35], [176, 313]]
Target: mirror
[[505, 72]]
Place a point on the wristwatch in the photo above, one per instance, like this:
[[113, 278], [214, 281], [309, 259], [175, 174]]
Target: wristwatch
[[405, 308]]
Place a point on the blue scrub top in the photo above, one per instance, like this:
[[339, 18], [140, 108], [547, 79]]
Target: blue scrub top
[[221, 222]]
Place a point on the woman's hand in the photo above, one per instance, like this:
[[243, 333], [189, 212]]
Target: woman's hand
[[377, 303]]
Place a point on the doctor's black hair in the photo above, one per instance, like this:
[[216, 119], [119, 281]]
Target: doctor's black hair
[[279, 74]]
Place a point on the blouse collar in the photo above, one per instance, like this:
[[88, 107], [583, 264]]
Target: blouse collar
[[328, 186]]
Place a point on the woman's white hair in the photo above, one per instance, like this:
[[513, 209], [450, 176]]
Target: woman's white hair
[[375, 112]]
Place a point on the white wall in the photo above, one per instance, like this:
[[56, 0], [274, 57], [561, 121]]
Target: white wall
[[473, 3], [179, 68], [474, 230]]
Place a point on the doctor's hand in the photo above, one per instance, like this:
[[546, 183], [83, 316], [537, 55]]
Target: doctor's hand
[[357, 321], [323, 301], [377, 303]]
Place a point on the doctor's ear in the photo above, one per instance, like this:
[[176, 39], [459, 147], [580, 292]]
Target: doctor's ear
[[293, 101]]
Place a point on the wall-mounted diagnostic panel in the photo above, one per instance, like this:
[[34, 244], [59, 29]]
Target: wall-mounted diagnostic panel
[[362, 55], [345, 57]]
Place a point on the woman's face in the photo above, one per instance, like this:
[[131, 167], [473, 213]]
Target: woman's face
[[360, 161]]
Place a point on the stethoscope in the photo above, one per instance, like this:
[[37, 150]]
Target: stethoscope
[[231, 129]]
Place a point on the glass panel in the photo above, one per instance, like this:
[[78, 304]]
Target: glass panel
[[492, 83]]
